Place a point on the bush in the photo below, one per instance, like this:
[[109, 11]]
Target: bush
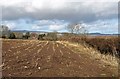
[[12, 36], [3, 36], [26, 36], [40, 37], [105, 45], [52, 36]]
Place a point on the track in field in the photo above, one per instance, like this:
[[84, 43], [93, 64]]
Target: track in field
[[47, 59]]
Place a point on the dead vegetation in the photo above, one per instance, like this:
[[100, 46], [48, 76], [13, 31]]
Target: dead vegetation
[[93, 53]]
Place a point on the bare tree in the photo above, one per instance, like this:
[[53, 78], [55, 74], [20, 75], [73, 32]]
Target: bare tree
[[71, 28], [52, 36], [4, 31], [76, 28]]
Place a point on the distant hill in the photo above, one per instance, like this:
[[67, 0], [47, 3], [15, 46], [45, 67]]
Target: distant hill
[[27, 31], [100, 34]]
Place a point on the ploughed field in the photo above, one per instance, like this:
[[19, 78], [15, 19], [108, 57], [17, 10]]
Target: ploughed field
[[34, 58]]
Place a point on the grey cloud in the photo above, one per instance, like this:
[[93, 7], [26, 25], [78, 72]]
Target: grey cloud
[[70, 11]]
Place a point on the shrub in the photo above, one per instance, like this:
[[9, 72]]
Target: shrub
[[12, 36], [3, 36], [52, 36], [105, 45], [27, 35], [40, 37]]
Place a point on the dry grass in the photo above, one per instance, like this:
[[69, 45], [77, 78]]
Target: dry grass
[[92, 53]]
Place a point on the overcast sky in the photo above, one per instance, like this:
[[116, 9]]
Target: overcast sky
[[49, 15]]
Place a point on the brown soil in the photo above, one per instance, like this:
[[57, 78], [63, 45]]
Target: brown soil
[[23, 58]]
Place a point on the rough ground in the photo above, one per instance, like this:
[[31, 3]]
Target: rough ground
[[23, 58]]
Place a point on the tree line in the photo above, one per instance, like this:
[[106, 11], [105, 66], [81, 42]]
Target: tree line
[[73, 29]]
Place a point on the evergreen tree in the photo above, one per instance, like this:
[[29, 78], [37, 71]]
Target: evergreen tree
[[12, 36]]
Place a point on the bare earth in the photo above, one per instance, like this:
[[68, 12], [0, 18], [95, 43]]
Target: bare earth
[[23, 58]]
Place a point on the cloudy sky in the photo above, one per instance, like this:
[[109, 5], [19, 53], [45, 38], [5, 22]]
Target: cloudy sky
[[49, 15]]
